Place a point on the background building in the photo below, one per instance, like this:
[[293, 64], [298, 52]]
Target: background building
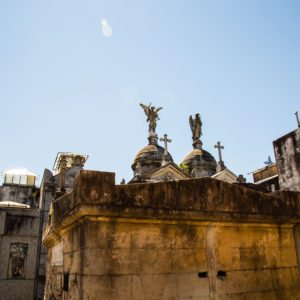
[[287, 155], [19, 235]]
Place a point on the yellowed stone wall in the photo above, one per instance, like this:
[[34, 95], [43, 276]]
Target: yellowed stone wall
[[260, 260], [152, 241], [138, 259]]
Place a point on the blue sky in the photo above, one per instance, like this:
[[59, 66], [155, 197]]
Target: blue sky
[[64, 86]]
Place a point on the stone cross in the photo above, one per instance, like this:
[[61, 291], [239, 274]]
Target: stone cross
[[269, 161], [219, 150], [241, 179], [220, 166], [166, 141], [297, 117]]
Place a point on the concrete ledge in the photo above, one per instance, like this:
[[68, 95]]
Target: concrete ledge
[[95, 194]]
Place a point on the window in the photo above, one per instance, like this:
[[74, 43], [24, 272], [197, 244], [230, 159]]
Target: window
[[8, 179], [17, 260], [30, 180], [19, 179], [23, 179], [16, 179]]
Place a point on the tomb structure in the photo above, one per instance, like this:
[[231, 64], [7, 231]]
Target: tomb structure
[[181, 236]]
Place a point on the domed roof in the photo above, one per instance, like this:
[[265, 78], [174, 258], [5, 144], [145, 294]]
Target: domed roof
[[200, 163], [152, 154]]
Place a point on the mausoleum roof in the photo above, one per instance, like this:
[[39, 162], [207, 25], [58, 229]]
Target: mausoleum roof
[[152, 153], [197, 153], [202, 161]]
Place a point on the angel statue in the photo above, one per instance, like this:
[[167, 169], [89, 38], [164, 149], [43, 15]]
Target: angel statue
[[152, 115], [196, 127]]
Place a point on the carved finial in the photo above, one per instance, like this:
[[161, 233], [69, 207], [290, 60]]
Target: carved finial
[[196, 128]]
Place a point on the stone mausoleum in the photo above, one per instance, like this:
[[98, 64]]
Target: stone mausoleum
[[189, 231], [174, 232]]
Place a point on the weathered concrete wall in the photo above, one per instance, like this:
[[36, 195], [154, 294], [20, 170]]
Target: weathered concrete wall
[[18, 226], [160, 260], [297, 241], [22, 194], [287, 154], [193, 239], [50, 185]]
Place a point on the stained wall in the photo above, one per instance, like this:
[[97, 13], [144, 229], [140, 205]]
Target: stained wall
[[191, 239], [19, 228], [287, 154]]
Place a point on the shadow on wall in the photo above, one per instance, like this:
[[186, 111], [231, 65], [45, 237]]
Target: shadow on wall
[[297, 242]]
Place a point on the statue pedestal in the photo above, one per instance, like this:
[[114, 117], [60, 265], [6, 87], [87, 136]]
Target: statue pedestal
[[197, 144], [152, 138]]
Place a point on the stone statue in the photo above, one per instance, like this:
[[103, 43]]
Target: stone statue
[[196, 127], [152, 115]]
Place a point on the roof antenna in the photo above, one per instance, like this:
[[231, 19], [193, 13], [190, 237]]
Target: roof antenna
[[297, 117]]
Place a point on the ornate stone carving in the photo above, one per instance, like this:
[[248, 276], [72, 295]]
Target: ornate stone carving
[[152, 115], [196, 128]]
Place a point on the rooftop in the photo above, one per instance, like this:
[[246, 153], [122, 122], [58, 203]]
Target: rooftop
[[21, 172], [13, 204]]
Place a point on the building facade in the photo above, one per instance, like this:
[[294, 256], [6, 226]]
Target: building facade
[[19, 235], [287, 155]]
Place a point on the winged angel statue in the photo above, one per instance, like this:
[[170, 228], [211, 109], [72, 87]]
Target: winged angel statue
[[152, 115], [196, 127]]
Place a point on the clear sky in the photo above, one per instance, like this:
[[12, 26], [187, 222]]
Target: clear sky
[[72, 75]]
